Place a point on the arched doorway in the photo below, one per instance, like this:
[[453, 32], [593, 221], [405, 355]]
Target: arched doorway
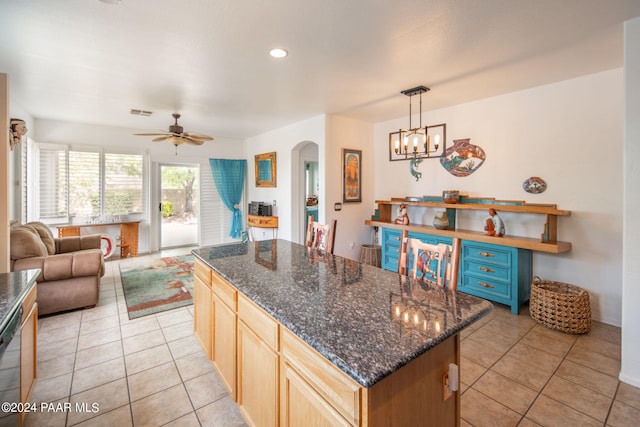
[[306, 181]]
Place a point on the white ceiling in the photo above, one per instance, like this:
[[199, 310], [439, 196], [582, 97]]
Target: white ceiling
[[91, 62]]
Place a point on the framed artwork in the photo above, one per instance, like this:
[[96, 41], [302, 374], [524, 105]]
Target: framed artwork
[[351, 175], [266, 169]]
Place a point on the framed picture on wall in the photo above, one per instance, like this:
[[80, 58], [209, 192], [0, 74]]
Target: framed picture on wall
[[351, 175]]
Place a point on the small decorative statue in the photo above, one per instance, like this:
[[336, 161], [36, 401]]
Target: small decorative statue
[[18, 130], [402, 216], [493, 224]]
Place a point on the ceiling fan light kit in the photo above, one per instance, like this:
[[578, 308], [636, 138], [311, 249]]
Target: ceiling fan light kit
[[177, 136]]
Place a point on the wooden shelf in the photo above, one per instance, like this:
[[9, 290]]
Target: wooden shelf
[[484, 204], [512, 241], [548, 241]]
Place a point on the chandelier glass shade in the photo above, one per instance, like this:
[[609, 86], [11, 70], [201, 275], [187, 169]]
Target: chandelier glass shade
[[420, 142]]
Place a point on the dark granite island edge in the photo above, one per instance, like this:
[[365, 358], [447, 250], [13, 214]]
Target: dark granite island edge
[[344, 309], [14, 287]]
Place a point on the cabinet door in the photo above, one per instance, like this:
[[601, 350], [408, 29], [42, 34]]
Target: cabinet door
[[302, 405], [223, 351], [28, 334], [202, 314], [257, 379]]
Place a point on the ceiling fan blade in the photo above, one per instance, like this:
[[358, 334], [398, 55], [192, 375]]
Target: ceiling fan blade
[[151, 134], [161, 138], [200, 136], [193, 141]]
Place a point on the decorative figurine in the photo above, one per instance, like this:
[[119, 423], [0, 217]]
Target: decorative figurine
[[493, 224], [402, 216], [18, 130]]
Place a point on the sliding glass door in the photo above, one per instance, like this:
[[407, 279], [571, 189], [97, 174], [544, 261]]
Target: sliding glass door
[[179, 206]]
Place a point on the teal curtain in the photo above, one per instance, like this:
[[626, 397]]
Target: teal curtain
[[228, 176]]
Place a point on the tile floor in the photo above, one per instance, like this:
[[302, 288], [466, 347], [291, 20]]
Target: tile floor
[[152, 372]]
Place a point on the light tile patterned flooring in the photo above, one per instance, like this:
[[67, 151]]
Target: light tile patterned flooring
[[152, 372]]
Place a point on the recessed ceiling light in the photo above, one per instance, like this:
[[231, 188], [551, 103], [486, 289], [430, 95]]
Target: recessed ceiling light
[[278, 53]]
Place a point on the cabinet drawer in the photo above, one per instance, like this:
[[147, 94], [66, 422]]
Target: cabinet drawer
[[487, 253], [224, 290], [263, 325], [338, 389], [28, 302], [487, 270], [202, 271], [481, 286]]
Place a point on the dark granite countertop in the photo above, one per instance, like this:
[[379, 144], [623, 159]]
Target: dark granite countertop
[[367, 321], [13, 289]]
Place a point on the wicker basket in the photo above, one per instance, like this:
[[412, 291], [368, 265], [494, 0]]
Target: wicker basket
[[560, 306]]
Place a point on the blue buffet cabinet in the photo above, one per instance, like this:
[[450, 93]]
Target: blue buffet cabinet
[[497, 273], [494, 272]]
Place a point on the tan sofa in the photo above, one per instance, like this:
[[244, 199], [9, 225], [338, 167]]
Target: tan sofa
[[71, 267]]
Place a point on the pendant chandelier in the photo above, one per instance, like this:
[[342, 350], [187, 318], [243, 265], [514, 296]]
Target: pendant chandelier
[[420, 142]]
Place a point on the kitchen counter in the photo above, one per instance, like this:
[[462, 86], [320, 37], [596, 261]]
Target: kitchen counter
[[366, 321], [13, 290]]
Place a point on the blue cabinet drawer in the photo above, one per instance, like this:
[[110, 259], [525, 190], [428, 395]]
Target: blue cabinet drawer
[[486, 270], [487, 253], [390, 248], [486, 288]]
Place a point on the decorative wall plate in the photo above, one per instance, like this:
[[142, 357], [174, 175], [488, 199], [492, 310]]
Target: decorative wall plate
[[463, 158], [534, 185]]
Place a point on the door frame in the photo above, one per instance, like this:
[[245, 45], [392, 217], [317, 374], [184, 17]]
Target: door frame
[[158, 199]]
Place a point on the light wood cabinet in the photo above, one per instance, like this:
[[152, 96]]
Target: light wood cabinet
[[277, 379], [224, 339], [313, 388], [28, 346], [202, 306], [258, 366], [301, 403]]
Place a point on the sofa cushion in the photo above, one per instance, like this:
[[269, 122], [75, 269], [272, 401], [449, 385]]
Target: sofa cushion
[[45, 234], [25, 243]]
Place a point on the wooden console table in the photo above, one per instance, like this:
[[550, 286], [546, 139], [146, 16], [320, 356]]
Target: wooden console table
[[259, 221], [128, 234]]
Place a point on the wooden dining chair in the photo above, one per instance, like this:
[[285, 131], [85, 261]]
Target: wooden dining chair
[[321, 236], [432, 263]]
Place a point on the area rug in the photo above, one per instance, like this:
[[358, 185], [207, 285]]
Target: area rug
[[157, 285]]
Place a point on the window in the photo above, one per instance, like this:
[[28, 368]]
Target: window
[[92, 182]]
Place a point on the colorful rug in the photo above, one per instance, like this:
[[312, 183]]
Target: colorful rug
[[158, 285]]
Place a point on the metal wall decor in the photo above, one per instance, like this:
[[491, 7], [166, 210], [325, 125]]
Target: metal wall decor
[[421, 142], [463, 158]]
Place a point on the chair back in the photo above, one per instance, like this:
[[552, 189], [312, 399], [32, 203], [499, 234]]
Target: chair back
[[321, 236], [436, 264]]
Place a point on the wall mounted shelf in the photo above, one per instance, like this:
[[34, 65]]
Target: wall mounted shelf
[[548, 242]]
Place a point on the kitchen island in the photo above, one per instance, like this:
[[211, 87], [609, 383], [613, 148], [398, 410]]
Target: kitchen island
[[300, 337]]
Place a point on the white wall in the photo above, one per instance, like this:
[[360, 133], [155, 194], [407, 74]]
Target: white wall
[[630, 371], [52, 131], [569, 133], [286, 142], [351, 232]]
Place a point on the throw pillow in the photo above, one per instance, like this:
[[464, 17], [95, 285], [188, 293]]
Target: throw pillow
[[45, 234], [26, 243]]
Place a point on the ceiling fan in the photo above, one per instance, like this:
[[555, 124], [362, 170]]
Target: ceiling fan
[[176, 135]]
